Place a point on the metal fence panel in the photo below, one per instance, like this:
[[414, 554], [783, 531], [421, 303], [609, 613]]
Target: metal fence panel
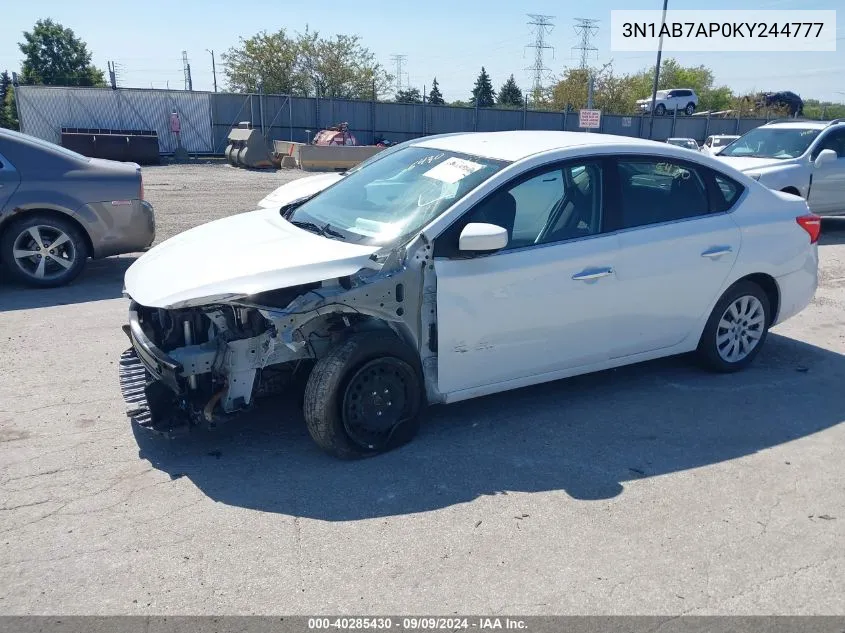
[[45, 110], [207, 118]]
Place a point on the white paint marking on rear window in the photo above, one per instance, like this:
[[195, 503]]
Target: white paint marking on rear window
[[453, 170]]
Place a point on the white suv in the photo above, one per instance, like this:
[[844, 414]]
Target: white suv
[[805, 158], [682, 99]]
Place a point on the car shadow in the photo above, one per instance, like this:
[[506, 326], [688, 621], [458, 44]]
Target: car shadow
[[833, 231], [586, 436], [101, 279]]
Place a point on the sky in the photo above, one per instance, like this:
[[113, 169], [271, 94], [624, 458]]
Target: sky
[[448, 39]]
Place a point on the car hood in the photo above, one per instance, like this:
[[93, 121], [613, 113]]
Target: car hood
[[299, 188], [747, 163], [239, 256]]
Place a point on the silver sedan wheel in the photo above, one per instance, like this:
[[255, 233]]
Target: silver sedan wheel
[[740, 329], [44, 252]]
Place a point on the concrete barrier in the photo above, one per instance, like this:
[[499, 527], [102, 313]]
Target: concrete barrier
[[286, 153], [246, 148], [334, 157]]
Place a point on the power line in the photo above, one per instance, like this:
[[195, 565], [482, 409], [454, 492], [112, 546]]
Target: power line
[[542, 26], [586, 28], [398, 60]]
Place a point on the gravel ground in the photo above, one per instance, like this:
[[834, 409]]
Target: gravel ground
[[653, 489], [187, 195]]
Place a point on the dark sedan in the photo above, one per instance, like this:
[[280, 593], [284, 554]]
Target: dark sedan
[[58, 208]]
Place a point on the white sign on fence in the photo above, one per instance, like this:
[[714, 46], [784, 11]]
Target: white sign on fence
[[626, 121], [590, 119]]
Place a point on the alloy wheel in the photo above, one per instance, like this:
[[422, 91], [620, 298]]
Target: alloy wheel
[[740, 329], [44, 252]]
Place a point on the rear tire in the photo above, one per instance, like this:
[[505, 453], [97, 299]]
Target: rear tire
[[364, 397], [43, 250], [737, 328], [690, 109]]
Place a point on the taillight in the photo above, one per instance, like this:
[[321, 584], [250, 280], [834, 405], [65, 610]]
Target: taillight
[[812, 224], [141, 177]]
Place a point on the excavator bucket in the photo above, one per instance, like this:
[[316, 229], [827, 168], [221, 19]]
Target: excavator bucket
[[247, 148]]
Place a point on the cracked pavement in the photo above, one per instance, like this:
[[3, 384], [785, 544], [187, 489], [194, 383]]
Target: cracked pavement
[[653, 489]]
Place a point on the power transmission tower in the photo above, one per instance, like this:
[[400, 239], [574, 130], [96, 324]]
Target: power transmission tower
[[186, 67], [586, 28], [399, 61], [542, 26]]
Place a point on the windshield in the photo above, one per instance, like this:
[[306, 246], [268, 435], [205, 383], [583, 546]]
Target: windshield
[[396, 196], [772, 142]]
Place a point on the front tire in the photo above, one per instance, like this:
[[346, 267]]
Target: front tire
[[737, 328], [660, 110], [364, 397], [43, 250]]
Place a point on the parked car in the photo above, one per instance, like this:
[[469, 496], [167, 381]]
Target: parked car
[[716, 143], [804, 158], [680, 99], [688, 143], [461, 266], [57, 208]]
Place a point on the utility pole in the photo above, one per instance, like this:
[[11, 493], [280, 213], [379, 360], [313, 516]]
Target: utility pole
[[112, 75], [542, 26], [657, 71], [186, 68], [398, 60], [213, 69], [586, 28]]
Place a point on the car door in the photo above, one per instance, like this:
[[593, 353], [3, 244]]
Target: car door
[[827, 192], [677, 245], [541, 304], [9, 181]]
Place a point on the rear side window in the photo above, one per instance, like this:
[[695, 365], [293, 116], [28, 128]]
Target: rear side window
[[725, 193], [654, 191]]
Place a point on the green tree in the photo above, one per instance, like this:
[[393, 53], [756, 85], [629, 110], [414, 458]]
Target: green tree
[[483, 94], [570, 92], [510, 95], [5, 84], [434, 95], [269, 57], [304, 65], [9, 110], [411, 95], [340, 67], [54, 56]]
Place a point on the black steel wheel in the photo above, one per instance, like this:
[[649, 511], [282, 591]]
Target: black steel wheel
[[377, 399], [364, 397]]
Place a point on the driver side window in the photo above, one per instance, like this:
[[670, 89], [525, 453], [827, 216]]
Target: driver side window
[[553, 205]]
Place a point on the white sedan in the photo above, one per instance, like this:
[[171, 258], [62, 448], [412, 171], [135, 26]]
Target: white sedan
[[460, 266]]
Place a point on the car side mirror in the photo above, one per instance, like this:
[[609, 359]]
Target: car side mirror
[[825, 156], [482, 237]]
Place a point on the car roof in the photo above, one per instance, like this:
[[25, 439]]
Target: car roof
[[519, 144], [800, 125]]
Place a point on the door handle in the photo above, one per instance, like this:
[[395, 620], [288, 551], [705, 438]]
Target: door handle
[[716, 251], [592, 273]]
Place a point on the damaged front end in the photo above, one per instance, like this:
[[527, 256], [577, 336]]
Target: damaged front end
[[204, 364]]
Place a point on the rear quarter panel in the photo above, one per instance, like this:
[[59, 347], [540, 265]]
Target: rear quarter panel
[[774, 243]]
